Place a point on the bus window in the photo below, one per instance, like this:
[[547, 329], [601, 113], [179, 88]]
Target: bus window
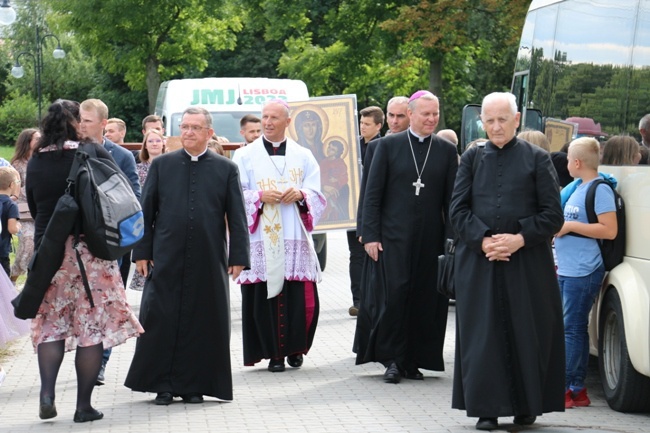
[[472, 127], [639, 97]]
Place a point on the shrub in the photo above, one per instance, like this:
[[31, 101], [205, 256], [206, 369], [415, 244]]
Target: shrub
[[16, 114]]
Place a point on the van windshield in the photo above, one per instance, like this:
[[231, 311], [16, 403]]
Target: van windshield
[[225, 124]]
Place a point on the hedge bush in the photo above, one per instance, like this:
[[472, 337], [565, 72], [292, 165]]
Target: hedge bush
[[16, 114]]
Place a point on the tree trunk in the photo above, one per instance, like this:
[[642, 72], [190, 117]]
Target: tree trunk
[[435, 84], [153, 83]]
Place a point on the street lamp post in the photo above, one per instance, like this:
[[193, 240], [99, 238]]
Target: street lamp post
[[7, 13], [18, 71]]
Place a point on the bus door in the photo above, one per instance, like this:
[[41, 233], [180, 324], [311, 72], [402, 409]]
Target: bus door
[[531, 118]]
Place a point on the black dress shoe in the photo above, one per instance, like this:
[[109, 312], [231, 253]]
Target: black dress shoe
[[164, 399], [392, 374], [295, 360], [525, 419], [193, 398], [276, 365], [487, 424], [87, 415], [47, 408], [413, 374]]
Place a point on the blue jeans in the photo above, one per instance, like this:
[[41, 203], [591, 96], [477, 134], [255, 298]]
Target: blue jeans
[[578, 294]]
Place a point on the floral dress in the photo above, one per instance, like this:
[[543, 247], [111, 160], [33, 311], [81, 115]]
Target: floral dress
[[66, 314]]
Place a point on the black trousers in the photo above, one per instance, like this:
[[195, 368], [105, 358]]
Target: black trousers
[[357, 254], [6, 265], [125, 267]]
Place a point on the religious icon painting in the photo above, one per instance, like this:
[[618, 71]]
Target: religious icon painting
[[327, 126]]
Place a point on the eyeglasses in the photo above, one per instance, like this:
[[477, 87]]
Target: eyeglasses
[[17, 181], [193, 128]]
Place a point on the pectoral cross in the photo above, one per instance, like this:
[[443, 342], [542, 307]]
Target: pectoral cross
[[282, 183], [417, 186]]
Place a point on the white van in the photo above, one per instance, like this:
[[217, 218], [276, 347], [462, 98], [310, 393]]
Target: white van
[[227, 99], [619, 325]]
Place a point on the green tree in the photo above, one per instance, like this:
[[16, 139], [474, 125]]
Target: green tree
[[337, 46], [71, 77], [152, 40], [129, 105], [442, 27]]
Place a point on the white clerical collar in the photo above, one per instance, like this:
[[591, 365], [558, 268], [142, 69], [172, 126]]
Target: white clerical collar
[[275, 144], [420, 138], [195, 158]]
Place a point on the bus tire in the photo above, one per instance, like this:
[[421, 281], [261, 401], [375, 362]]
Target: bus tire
[[625, 389]]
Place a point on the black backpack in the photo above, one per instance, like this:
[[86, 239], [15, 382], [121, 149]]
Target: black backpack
[[612, 250], [111, 216]]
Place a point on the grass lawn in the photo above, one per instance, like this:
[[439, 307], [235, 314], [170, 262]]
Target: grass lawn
[[6, 152]]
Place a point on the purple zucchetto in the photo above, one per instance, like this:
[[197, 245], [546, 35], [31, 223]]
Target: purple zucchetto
[[279, 101], [419, 94]]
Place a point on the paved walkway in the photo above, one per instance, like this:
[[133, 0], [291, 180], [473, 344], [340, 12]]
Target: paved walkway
[[328, 394]]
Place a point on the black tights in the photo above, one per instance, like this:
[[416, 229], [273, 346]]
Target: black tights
[[88, 361]]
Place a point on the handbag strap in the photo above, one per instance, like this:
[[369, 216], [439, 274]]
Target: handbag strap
[[478, 156], [83, 151], [450, 245]]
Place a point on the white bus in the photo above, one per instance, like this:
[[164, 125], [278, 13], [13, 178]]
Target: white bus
[[581, 58], [227, 99]]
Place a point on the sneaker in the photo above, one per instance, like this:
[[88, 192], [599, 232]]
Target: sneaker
[[3, 375], [353, 311], [581, 399], [568, 399]]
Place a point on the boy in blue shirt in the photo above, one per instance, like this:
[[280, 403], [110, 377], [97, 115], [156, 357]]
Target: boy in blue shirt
[[580, 264], [9, 186]]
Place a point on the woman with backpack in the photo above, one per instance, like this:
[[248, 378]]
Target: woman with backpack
[[66, 319]]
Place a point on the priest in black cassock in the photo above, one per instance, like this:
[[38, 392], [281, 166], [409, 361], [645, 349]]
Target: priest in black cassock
[[509, 320], [402, 318], [195, 233]]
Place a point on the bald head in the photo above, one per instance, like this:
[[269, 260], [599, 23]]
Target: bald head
[[396, 115]]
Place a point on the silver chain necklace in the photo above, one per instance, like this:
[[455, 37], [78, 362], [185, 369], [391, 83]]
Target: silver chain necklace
[[418, 184], [282, 180]]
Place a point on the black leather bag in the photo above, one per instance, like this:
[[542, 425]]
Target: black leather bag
[[47, 259], [446, 286]]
